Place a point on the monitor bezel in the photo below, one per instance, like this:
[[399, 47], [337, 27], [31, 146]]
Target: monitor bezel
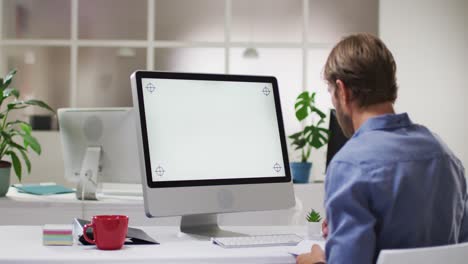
[[139, 75]]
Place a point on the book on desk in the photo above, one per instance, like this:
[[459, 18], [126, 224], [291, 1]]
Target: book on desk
[[135, 236]]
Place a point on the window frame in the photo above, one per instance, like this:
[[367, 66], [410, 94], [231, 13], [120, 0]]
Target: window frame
[[150, 44]]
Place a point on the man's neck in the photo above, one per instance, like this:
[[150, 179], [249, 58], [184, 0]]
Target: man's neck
[[361, 115]]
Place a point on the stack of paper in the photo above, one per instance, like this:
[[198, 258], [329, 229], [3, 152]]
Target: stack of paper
[[305, 246], [57, 235]]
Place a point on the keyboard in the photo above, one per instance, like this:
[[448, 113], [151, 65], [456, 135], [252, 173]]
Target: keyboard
[[258, 241]]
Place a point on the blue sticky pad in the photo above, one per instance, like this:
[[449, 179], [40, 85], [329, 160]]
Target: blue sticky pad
[[43, 189]]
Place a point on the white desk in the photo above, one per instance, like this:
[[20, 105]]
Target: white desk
[[25, 209], [23, 244]]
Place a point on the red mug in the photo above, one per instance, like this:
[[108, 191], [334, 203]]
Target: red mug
[[109, 231]]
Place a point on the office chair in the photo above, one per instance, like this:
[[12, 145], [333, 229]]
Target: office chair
[[453, 254]]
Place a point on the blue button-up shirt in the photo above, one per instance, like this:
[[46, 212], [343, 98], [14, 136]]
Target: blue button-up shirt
[[393, 185]]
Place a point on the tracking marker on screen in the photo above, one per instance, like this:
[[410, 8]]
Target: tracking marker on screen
[[150, 87], [277, 167]]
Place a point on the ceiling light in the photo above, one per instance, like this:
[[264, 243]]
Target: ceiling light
[[126, 52], [250, 53]]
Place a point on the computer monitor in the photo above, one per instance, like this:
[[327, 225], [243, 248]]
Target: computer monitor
[[99, 145], [210, 144], [337, 138]]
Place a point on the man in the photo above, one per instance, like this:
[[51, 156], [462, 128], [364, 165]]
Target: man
[[394, 184]]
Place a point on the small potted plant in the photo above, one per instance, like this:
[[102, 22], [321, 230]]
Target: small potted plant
[[15, 135], [312, 136], [314, 227]]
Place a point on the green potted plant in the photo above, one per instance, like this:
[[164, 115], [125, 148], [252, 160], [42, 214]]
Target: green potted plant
[[314, 227], [15, 135], [312, 136]]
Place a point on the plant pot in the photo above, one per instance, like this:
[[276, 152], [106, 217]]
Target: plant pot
[[314, 230], [5, 168], [301, 171]]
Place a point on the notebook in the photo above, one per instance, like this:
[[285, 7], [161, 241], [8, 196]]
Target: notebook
[[40, 189]]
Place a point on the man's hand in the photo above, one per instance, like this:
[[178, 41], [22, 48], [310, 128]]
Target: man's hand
[[325, 229], [316, 255]]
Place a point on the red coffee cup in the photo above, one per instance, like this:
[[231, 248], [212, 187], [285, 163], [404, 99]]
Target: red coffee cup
[[109, 231]]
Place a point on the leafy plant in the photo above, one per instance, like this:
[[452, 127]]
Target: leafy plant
[[16, 135], [313, 216], [313, 135]]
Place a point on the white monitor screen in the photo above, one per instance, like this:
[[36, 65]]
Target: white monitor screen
[[212, 129]]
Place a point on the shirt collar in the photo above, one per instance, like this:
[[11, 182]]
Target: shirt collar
[[384, 122]]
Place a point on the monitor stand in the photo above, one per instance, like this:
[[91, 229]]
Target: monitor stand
[[204, 226], [87, 186]]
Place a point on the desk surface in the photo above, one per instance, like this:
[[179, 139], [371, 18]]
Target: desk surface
[[23, 244], [15, 199], [26, 209]]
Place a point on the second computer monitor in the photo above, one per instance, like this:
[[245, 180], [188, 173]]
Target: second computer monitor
[[99, 145], [337, 139]]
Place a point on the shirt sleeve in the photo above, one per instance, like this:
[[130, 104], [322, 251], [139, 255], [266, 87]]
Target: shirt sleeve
[[463, 237], [464, 224], [351, 237]]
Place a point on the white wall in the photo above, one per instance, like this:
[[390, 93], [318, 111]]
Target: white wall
[[429, 40]]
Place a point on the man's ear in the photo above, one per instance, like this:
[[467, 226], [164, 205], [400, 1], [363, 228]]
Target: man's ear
[[343, 92]]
